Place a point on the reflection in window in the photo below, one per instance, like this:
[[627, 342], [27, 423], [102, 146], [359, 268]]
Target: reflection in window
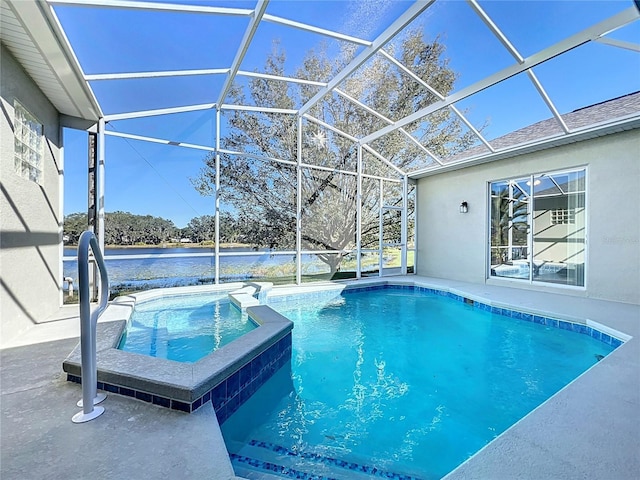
[[538, 228], [510, 228], [561, 216]]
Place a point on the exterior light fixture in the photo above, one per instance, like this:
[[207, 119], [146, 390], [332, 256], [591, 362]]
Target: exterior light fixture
[[464, 207]]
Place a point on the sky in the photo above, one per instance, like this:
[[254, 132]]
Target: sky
[[146, 178]]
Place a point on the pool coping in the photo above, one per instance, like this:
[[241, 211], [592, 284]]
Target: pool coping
[[177, 385]]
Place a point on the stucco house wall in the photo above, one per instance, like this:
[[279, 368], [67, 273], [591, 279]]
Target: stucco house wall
[[30, 213], [455, 246]]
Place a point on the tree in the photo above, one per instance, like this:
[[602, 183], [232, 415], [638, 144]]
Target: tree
[[263, 193], [74, 225], [124, 228], [202, 228]]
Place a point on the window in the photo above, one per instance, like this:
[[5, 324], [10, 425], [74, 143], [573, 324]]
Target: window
[[537, 228], [561, 216], [28, 144]]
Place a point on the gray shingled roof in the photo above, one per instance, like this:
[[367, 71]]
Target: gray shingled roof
[[604, 112]]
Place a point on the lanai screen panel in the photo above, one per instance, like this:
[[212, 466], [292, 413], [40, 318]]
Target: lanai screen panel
[[149, 41], [591, 82], [280, 49], [371, 203], [324, 148], [415, 86], [197, 128], [258, 201], [141, 94], [159, 176], [328, 210], [403, 151], [373, 164], [495, 119], [256, 89], [411, 225], [262, 134]]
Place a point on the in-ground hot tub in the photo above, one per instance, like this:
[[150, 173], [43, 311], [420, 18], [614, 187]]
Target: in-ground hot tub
[[184, 328], [228, 376]]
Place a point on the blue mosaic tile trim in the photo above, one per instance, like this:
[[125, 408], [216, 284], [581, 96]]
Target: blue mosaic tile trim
[[554, 323], [229, 394], [277, 469], [144, 396], [236, 389], [528, 317], [334, 462], [548, 322]]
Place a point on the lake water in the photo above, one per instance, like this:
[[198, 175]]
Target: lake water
[[189, 270], [127, 271]]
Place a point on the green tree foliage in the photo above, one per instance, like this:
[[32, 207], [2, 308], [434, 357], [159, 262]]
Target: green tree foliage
[[124, 228], [263, 193], [74, 225], [202, 228]]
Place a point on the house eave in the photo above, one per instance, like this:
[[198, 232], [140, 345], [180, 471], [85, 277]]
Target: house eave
[[592, 131], [50, 61]]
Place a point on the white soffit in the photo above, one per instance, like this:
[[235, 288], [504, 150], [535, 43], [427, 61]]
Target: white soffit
[[28, 32]]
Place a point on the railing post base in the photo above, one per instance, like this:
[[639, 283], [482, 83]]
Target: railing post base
[[82, 417]]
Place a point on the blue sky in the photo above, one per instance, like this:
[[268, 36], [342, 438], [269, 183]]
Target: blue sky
[[147, 178]]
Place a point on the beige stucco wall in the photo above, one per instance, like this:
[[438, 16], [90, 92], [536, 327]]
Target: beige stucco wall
[[30, 217], [454, 245]]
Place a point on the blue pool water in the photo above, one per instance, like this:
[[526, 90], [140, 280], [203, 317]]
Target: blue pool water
[[183, 328], [398, 383]]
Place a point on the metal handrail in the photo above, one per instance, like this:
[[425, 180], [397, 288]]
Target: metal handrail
[[88, 327]]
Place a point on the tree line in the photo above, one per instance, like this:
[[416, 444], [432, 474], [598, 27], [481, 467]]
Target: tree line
[[124, 228]]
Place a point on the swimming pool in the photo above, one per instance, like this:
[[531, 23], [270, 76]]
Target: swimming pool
[[184, 328], [398, 382]]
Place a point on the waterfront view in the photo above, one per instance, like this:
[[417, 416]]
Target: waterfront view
[[142, 268]]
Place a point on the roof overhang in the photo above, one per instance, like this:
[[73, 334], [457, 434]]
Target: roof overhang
[[30, 31], [594, 131]]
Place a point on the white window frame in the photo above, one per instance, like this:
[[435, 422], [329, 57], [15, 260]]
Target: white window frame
[[530, 280]]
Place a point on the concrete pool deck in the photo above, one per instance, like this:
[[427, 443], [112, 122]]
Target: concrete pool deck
[[589, 430]]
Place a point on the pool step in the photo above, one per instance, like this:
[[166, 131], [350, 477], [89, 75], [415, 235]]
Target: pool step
[[243, 297], [250, 295], [256, 458]]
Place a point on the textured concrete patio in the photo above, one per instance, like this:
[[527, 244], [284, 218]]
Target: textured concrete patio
[[589, 430], [131, 439]]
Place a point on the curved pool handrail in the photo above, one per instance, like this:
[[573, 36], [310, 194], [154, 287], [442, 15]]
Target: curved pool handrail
[[88, 326]]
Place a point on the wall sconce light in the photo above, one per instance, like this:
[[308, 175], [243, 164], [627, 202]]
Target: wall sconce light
[[464, 207]]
